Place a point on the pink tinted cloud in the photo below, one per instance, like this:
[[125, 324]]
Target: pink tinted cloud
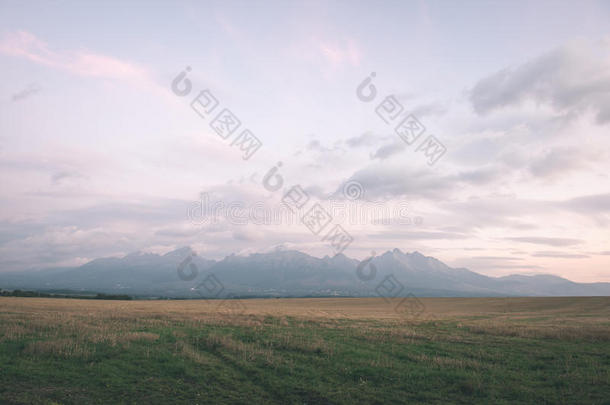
[[81, 62], [339, 53], [329, 54]]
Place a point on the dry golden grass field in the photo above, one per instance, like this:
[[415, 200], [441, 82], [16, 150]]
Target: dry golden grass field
[[343, 350]]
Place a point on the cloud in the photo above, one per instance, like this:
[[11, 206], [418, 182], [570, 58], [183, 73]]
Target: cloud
[[56, 245], [560, 255], [384, 180], [82, 62], [59, 177], [13, 230], [419, 235], [103, 230], [590, 204], [480, 176], [388, 150], [429, 109], [490, 211], [516, 266], [556, 162], [546, 241], [330, 53], [571, 79], [317, 146], [247, 235], [184, 231], [366, 139], [595, 207], [342, 52], [29, 91]]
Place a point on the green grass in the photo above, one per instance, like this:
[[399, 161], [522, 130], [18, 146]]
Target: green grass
[[290, 360]]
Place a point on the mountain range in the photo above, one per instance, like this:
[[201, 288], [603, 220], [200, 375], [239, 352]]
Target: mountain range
[[288, 273]]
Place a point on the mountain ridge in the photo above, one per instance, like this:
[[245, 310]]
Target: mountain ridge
[[284, 272]]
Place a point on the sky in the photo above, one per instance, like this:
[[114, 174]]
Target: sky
[[105, 149]]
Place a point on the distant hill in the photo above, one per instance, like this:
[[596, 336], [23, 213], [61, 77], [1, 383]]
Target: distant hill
[[289, 273]]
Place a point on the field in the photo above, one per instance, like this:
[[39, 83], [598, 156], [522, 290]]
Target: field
[[305, 351]]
